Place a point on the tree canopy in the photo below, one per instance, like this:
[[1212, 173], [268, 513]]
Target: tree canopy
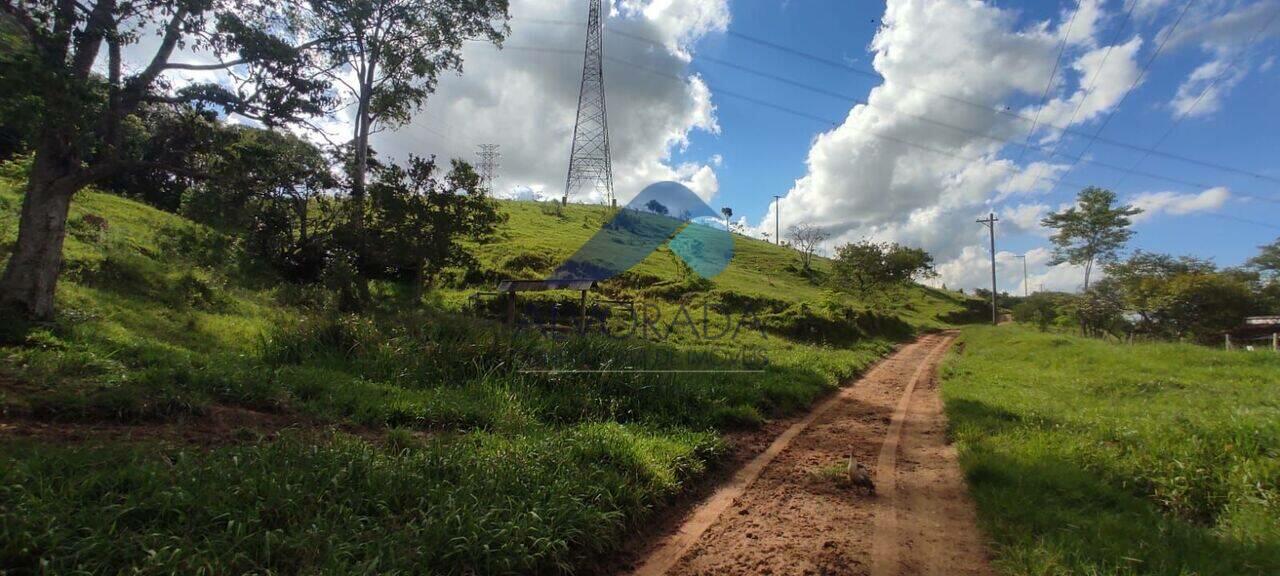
[[1091, 232], [869, 268]]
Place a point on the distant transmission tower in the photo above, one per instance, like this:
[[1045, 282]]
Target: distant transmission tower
[[488, 155], [590, 169]]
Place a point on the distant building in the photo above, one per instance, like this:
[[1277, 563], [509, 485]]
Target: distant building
[[1258, 331]]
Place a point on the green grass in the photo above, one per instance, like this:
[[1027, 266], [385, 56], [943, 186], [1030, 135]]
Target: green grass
[[464, 462], [1087, 457], [478, 503]]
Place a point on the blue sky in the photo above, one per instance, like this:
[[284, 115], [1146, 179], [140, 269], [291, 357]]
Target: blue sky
[[873, 172], [764, 150]]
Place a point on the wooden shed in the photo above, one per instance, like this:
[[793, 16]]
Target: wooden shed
[[1261, 330], [512, 287]]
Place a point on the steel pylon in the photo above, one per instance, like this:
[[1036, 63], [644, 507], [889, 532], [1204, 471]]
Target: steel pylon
[[590, 168]]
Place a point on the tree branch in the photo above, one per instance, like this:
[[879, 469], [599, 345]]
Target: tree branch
[[221, 65], [99, 25], [140, 83]]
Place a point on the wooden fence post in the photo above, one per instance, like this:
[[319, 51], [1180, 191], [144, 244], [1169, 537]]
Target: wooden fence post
[[1228, 342]]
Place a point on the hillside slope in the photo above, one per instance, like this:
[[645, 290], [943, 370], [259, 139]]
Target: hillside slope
[[409, 437]]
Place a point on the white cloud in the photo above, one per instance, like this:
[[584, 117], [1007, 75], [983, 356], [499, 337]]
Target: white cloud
[[1213, 28], [880, 174], [1035, 177], [679, 23], [1228, 37], [1147, 8], [1109, 75], [1202, 93], [1025, 218], [525, 101], [1088, 15], [972, 269], [1156, 203]]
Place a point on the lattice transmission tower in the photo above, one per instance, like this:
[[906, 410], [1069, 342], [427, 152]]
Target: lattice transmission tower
[[590, 169], [488, 155]]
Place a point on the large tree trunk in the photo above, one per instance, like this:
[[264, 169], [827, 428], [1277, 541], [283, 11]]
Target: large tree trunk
[[31, 276]]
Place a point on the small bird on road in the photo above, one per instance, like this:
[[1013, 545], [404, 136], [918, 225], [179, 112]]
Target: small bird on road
[[859, 476]]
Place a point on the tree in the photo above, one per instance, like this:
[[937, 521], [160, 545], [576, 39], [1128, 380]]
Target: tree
[[275, 188], [1041, 309], [656, 207], [1181, 297], [1203, 306], [1267, 262], [386, 57], [417, 221], [1142, 283], [728, 213], [868, 268], [1091, 232], [1100, 311], [82, 115], [806, 238]]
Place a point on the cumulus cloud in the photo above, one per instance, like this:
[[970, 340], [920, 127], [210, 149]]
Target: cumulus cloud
[[1025, 218], [1035, 177], [1081, 22], [972, 269], [524, 97], [1104, 79], [679, 23], [1156, 203], [866, 178], [889, 173]]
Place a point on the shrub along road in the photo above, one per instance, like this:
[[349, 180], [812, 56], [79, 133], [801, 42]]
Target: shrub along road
[[793, 510]]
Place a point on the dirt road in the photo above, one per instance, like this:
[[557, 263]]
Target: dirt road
[[790, 510]]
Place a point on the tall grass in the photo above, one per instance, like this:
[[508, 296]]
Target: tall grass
[[337, 504], [1092, 458]]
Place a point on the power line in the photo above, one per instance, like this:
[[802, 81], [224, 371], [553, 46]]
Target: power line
[[1221, 75], [1065, 130], [1136, 81], [719, 91], [1093, 82], [833, 123], [1062, 48], [1192, 185]]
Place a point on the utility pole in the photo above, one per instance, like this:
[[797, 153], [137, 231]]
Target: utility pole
[[1026, 289], [990, 223], [777, 219]]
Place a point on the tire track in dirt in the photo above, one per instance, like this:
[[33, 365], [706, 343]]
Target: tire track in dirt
[[786, 512]]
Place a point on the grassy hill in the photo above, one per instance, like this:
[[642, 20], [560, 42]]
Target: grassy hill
[[1093, 458], [410, 437]]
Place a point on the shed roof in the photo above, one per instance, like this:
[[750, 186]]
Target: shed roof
[[544, 285]]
